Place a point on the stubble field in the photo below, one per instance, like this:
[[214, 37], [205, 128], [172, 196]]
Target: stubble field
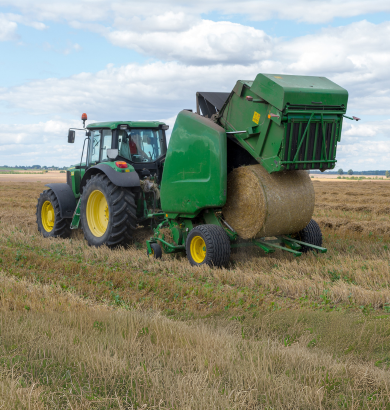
[[85, 328]]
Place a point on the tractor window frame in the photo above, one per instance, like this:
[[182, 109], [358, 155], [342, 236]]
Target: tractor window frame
[[102, 144], [90, 150]]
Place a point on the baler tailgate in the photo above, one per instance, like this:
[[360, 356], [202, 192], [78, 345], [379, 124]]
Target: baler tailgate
[[310, 143]]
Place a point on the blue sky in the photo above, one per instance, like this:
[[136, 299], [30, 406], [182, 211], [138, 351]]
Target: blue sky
[[145, 60]]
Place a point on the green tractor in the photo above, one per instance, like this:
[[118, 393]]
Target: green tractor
[[114, 190], [235, 173]]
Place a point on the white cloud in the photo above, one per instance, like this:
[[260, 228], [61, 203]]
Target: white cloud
[[365, 131], [7, 29], [43, 143], [204, 42], [155, 90], [309, 11], [165, 22], [9, 24], [201, 55], [364, 145], [354, 56], [18, 18]]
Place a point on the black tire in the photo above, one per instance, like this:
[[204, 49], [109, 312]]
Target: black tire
[[216, 249], [311, 234], [121, 220], [156, 251], [52, 226]]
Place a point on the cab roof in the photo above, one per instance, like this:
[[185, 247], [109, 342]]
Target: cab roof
[[132, 124]]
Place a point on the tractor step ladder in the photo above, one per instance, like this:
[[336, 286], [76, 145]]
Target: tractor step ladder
[[76, 216]]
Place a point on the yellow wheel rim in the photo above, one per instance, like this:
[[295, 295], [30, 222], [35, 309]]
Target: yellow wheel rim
[[198, 249], [97, 213], [47, 216]]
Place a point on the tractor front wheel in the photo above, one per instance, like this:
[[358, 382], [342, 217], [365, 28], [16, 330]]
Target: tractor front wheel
[[209, 245], [156, 251], [108, 212], [49, 221]]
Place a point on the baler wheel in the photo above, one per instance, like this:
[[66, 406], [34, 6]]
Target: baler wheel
[[50, 224], [108, 212], [311, 234], [208, 245], [156, 251]]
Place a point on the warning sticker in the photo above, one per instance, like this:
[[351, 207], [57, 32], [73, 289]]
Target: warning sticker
[[277, 76], [256, 117]]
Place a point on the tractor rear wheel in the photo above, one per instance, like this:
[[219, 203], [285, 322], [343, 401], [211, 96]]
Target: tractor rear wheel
[[108, 212], [208, 244], [311, 234], [49, 221]]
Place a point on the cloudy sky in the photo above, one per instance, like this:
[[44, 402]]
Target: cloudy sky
[[119, 60]]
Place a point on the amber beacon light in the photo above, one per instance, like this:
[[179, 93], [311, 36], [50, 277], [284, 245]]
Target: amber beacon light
[[84, 117]]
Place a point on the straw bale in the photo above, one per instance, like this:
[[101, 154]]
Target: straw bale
[[261, 204], [167, 235]]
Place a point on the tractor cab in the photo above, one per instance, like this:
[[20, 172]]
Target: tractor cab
[[140, 144]]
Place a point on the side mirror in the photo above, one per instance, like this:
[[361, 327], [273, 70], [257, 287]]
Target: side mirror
[[112, 154], [71, 136]]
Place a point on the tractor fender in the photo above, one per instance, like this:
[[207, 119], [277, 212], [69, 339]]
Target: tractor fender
[[121, 179], [65, 197]]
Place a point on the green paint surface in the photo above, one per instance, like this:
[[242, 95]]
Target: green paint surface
[[289, 122], [132, 124], [195, 169]]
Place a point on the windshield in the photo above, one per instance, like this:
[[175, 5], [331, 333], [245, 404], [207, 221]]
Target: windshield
[[140, 145]]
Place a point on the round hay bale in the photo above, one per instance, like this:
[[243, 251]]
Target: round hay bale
[[260, 204]]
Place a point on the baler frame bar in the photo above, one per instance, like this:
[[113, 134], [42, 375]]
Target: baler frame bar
[[317, 248], [281, 242]]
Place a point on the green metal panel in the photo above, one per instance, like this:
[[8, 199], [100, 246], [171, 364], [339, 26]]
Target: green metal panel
[[195, 169], [280, 90], [132, 124], [287, 122], [77, 175]]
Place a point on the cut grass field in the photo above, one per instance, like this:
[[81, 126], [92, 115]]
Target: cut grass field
[[85, 328]]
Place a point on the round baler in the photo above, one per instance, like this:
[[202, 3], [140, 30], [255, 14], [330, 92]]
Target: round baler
[[237, 171]]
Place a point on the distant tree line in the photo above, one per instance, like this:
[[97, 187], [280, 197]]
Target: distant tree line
[[352, 172], [29, 167]]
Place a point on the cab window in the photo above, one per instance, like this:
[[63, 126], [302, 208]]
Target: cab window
[[106, 143], [140, 145]]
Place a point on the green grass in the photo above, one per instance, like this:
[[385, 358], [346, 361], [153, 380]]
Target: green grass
[[88, 328]]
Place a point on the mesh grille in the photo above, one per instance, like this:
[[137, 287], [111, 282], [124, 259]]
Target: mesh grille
[[312, 147]]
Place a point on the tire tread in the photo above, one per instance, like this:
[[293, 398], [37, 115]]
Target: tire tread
[[61, 227], [217, 245], [123, 211], [311, 234]]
